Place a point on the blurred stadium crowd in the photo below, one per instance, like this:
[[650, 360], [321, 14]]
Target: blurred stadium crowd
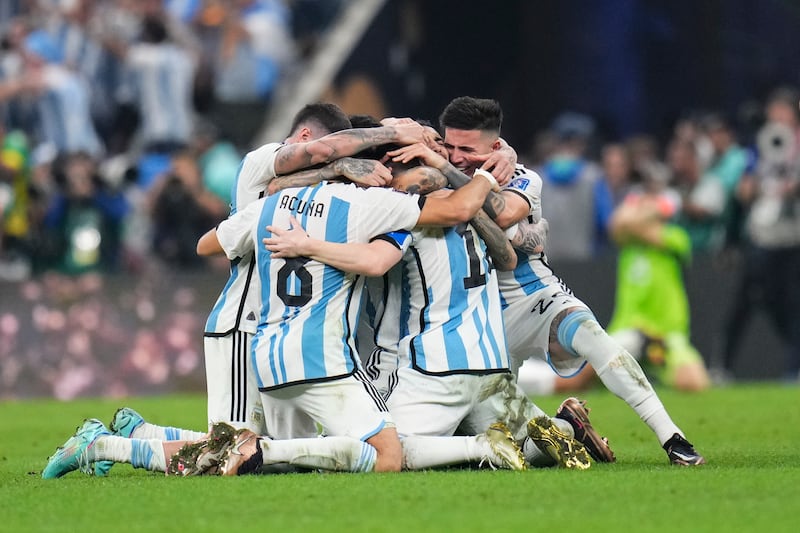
[[124, 121]]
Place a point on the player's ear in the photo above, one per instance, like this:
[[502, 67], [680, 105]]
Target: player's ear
[[496, 145], [305, 134]]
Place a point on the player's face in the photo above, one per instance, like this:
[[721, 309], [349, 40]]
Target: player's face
[[468, 149]]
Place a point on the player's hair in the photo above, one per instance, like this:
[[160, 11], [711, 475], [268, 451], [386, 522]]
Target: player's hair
[[364, 121], [468, 113], [328, 117], [784, 94]]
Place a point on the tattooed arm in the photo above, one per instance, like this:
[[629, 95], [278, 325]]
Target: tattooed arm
[[296, 156], [498, 245], [530, 237], [366, 172], [505, 208]]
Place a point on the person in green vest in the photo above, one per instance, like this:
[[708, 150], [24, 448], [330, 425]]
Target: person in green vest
[[651, 313], [15, 225]]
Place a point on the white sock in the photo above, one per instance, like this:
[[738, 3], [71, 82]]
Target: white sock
[[421, 452], [339, 454], [152, 431], [140, 453], [622, 375], [534, 456]]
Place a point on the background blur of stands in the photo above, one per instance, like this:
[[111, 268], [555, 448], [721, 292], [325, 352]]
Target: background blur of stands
[[100, 290], [120, 335]]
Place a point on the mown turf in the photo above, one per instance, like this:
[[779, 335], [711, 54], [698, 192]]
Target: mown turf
[[748, 433]]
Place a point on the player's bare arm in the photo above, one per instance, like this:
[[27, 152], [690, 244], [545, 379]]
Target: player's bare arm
[[368, 259], [498, 245], [531, 237], [495, 202], [366, 172], [209, 244], [460, 206], [419, 180], [297, 156], [636, 224]]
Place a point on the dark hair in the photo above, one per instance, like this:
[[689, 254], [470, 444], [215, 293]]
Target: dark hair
[[425, 123], [468, 113], [714, 121], [364, 121], [329, 117], [784, 94], [153, 30]]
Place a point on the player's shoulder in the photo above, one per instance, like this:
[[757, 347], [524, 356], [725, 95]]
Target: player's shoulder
[[264, 150], [525, 178]]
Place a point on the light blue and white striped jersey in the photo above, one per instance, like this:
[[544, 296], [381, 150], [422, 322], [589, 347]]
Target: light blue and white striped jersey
[[450, 304], [310, 310], [64, 115], [239, 302], [85, 54], [532, 272], [162, 77]]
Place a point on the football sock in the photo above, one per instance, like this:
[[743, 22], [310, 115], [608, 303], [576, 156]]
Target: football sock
[[140, 453], [622, 375], [340, 454], [421, 452], [152, 431], [534, 455]]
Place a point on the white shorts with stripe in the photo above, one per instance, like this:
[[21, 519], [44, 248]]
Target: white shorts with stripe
[[344, 407], [233, 395], [458, 404], [527, 321]]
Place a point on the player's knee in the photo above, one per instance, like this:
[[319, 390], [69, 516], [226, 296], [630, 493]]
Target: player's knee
[[568, 327]]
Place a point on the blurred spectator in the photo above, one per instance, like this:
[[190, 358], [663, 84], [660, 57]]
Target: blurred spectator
[[61, 100], [182, 211], [218, 159], [15, 81], [72, 26], [82, 226], [708, 206], [642, 150], [771, 275], [683, 162], [617, 171], [575, 198], [651, 312], [15, 189], [160, 77], [255, 47]]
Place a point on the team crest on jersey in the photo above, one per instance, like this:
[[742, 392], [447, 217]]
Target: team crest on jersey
[[520, 183]]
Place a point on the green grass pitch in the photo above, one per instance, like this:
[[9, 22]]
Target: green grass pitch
[[749, 434]]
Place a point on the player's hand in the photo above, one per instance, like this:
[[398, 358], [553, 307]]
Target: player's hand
[[501, 163], [366, 172], [406, 131], [287, 242], [417, 151], [395, 121]]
